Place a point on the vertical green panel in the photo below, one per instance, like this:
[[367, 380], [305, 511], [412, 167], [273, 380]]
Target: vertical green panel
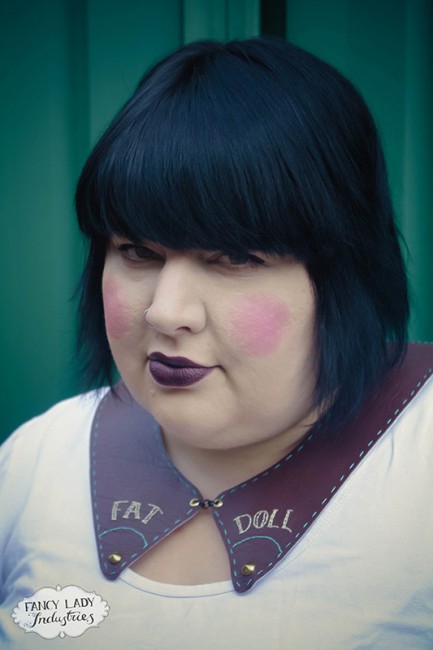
[[204, 19], [376, 62], [243, 18], [385, 48], [67, 66], [38, 166], [320, 27], [417, 221], [365, 40], [220, 19], [125, 38]]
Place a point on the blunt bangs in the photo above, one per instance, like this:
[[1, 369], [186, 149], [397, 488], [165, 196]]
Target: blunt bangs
[[216, 151], [256, 145]]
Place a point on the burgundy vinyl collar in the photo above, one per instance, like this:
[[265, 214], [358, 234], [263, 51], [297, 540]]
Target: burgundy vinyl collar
[[139, 497]]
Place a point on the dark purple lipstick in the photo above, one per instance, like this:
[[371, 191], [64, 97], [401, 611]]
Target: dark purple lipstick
[[176, 371]]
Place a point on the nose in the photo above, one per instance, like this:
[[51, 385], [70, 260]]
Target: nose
[[177, 302]]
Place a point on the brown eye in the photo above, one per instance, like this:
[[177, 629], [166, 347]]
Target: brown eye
[[137, 253], [241, 260]]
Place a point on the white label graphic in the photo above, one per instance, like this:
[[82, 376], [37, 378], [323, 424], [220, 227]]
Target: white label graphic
[[67, 611]]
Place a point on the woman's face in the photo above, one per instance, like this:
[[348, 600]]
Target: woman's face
[[224, 356]]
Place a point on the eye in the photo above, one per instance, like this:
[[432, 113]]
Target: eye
[[137, 253], [241, 260]]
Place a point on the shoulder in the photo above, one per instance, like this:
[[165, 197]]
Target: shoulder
[[409, 390], [415, 381], [407, 452], [417, 417], [36, 457], [62, 426]]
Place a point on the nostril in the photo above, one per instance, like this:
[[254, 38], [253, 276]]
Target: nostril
[[146, 320]]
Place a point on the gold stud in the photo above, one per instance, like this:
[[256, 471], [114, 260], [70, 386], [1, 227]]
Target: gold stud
[[194, 503], [248, 569], [114, 558], [217, 503]]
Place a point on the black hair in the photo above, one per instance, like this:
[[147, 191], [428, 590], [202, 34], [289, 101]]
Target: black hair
[[256, 145]]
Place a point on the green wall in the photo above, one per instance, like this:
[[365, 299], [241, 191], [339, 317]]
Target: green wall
[[67, 66], [386, 48]]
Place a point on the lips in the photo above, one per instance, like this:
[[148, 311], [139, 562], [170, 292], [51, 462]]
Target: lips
[[176, 371]]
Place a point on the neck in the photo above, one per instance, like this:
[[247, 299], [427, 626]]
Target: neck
[[213, 471]]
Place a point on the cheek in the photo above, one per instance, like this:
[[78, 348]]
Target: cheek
[[115, 310], [258, 324]]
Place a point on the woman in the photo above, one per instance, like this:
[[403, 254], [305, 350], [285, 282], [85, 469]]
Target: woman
[[269, 435]]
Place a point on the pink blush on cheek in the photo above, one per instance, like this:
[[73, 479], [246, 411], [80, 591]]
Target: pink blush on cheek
[[258, 323], [116, 315]]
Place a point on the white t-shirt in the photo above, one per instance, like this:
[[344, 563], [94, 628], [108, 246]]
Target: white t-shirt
[[361, 576]]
